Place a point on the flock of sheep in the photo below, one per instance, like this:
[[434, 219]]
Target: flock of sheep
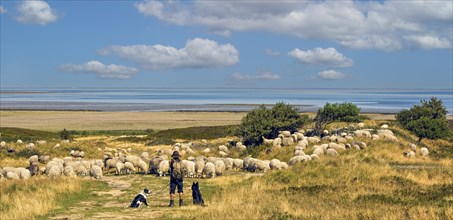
[[122, 161]]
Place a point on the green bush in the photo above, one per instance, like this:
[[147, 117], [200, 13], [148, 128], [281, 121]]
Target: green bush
[[427, 120], [264, 122], [345, 112]]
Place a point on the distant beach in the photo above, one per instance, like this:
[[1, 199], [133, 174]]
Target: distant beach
[[213, 100]]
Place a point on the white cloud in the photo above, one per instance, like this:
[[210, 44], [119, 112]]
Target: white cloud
[[327, 57], [2, 9], [272, 53], [331, 75], [429, 42], [262, 75], [197, 53], [112, 71], [35, 12], [356, 24]]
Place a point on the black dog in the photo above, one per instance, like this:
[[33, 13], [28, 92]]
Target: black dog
[[196, 195]]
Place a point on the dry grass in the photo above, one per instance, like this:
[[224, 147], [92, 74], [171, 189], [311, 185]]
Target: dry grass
[[27, 199], [79, 120]]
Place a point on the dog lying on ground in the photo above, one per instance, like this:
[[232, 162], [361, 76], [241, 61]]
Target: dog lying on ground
[[196, 195]]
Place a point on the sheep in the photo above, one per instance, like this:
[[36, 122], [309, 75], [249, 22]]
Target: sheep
[[154, 164], [228, 163], [19, 141], [190, 168], [283, 165], [164, 167], [360, 125], [119, 167], [3, 144], [56, 146], [144, 156], [41, 142], [287, 141], [274, 164], [54, 171], [219, 167], [223, 148], [199, 166], [69, 171], [409, 153], [384, 126], [30, 146], [413, 147], [33, 158], [331, 152], [129, 167], [44, 159], [12, 176], [424, 151], [296, 159], [374, 137], [96, 172], [80, 169], [238, 164], [209, 170], [110, 163], [285, 133], [223, 154], [362, 133], [277, 142], [313, 140], [267, 141], [133, 159], [314, 157], [336, 146], [33, 168], [206, 150], [142, 166], [318, 151], [299, 153]]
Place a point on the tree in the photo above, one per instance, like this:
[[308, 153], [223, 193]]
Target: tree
[[65, 135], [346, 112], [264, 122], [427, 120]]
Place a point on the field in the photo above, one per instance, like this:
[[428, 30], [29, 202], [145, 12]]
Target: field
[[377, 182]]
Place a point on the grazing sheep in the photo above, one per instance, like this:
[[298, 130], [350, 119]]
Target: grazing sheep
[[56, 146], [44, 159], [336, 146], [96, 172], [144, 156], [360, 125], [228, 163], [110, 163], [54, 171], [384, 126], [199, 166], [299, 153], [209, 170], [287, 141], [41, 142], [129, 167], [277, 142], [238, 164], [207, 150], [314, 157], [119, 167], [223, 148], [313, 140], [69, 171], [30, 146], [19, 141], [283, 165], [409, 153], [267, 141], [133, 159], [190, 168], [362, 133], [331, 152], [223, 154], [318, 151], [413, 147], [3, 144], [275, 164], [12, 176], [374, 137], [424, 151], [296, 159], [154, 164], [219, 167], [33, 168], [142, 166], [80, 169], [164, 167], [33, 158]]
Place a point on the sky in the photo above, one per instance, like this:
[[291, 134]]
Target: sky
[[383, 44]]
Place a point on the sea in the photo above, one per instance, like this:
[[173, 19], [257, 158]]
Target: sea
[[214, 99]]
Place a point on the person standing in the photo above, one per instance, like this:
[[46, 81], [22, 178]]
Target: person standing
[[177, 171]]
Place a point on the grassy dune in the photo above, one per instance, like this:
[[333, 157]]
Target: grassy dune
[[374, 183]]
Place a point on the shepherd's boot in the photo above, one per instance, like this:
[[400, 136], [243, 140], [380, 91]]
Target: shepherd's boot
[[172, 203], [181, 203]]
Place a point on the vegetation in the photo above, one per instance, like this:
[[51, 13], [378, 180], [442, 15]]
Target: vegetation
[[346, 112], [264, 122], [27, 135], [427, 120]]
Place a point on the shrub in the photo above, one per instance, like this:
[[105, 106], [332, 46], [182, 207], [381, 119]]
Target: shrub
[[264, 122], [427, 120], [345, 112]]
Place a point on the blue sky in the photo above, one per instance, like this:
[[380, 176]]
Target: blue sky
[[246, 44]]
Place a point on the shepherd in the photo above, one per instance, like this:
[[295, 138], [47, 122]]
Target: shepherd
[[176, 178]]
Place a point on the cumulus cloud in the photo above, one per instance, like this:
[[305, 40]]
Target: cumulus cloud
[[197, 53], [327, 57], [2, 10], [386, 25], [111, 71], [331, 75], [262, 75], [35, 12]]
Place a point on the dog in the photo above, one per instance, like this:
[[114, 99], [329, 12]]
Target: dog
[[140, 199], [196, 195]]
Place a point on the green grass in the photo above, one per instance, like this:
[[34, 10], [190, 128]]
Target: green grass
[[27, 135]]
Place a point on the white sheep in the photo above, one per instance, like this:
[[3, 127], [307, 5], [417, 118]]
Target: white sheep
[[206, 150], [209, 170], [223, 154], [41, 142], [44, 159], [129, 167], [275, 164], [12, 176], [313, 140], [424, 151], [33, 158], [299, 153], [285, 133], [409, 153], [219, 167], [142, 166], [199, 166], [19, 141], [190, 168], [164, 167], [267, 141], [331, 152], [119, 167], [384, 126], [96, 172], [69, 171], [228, 163], [314, 157], [318, 151], [3, 144], [413, 147], [361, 125], [144, 156], [54, 171], [296, 159], [283, 165], [287, 141], [238, 164], [223, 148], [277, 142], [30, 146]]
